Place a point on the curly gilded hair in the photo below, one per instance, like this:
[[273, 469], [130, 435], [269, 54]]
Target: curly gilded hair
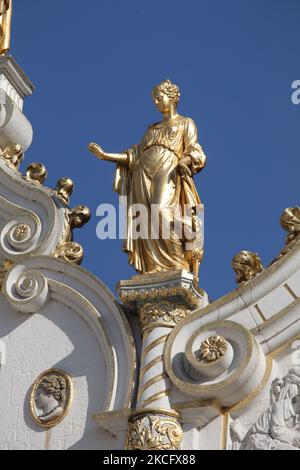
[[169, 89], [55, 385]]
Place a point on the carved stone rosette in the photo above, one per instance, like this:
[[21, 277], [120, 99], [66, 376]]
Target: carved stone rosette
[[154, 432]]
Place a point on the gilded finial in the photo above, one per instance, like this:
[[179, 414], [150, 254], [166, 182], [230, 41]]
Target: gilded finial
[[246, 265], [36, 172], [64, 188]]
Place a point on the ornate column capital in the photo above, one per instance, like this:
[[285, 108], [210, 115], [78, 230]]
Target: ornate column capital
[[154, 430], [162, 299]]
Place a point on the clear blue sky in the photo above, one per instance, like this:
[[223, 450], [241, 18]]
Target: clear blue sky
[[94, 64]]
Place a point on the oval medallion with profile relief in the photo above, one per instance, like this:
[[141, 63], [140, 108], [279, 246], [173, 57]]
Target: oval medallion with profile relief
[[51, 397]]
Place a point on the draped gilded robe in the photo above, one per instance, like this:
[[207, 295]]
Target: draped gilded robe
[[5, 24], [151, 177]]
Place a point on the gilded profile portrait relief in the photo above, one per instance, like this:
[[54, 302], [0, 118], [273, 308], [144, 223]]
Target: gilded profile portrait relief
[[51, 397]]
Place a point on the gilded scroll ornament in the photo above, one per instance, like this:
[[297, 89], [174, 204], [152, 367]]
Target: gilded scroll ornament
[[71, 252], [158, 172], [13, 155], [246, 265], [163, 313], [213, 348], [154, 432], [51, 397], [67, 249]]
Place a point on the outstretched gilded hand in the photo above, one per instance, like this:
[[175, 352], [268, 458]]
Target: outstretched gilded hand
[[96, 150]]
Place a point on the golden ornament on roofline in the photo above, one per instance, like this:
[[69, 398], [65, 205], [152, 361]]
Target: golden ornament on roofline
[[289, 221], [246, 265], [64, 188], [36, 172]]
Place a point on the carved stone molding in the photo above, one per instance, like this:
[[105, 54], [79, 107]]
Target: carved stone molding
[[29, 285], [219, 378], [172, 284], [26, 290], [20, 235]]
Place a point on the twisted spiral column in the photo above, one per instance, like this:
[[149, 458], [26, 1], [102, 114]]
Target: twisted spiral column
[[154, 384]]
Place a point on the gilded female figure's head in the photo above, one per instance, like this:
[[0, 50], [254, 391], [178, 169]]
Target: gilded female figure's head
[[165, 95]]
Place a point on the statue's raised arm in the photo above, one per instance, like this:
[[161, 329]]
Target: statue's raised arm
[[97, 150]]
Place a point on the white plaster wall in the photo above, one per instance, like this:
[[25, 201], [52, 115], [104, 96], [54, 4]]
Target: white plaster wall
[[210, 436], [60, 338]]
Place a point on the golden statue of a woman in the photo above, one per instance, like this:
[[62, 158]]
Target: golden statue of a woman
[[5, 25], [157, 173]]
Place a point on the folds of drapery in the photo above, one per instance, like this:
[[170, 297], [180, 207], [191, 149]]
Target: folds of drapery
[[188, 196]]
